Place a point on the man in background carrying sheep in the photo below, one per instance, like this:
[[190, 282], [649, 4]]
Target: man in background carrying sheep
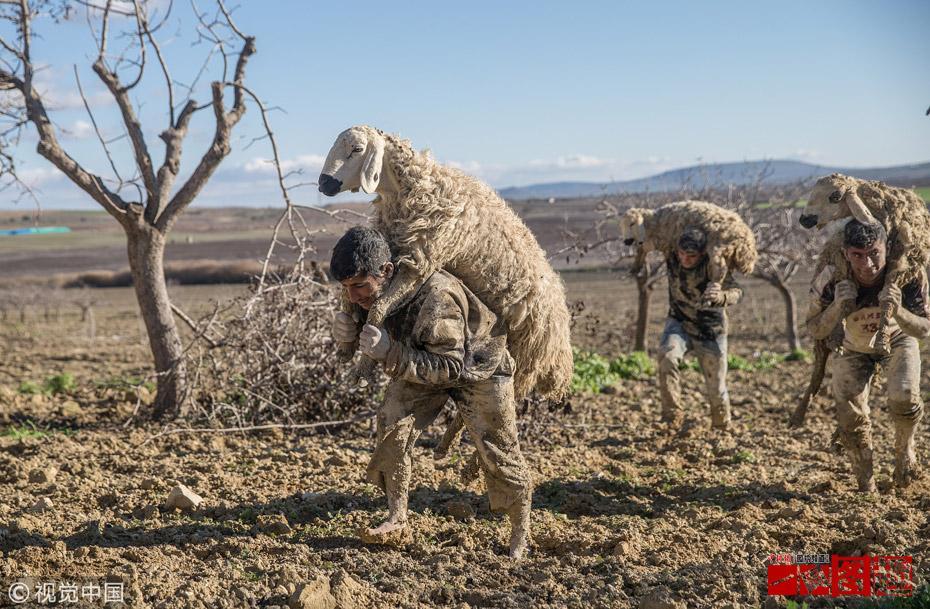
[[857, 304], [697, 321], [443, 343]]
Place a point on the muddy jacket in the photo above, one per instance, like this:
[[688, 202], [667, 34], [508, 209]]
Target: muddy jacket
[[685, 287], [445, 336], [861, 324]]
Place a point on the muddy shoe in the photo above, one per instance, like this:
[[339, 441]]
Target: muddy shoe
[[720, 416], [519, 516], [673, 418], [905, 472], [867, 485], [862, 465], [518, 545], [387, 534], [905, 458]]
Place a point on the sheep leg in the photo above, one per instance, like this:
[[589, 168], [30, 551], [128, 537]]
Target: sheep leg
[[404, 284], [716, 273], [821, 354], [450, 437], [345, 351], [471, 470], [639, 261], [882, 336], [858, 209]]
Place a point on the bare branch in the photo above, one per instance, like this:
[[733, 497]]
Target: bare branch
[[142, 23], [133, 126], [220, 147], [48, 144], [93, 121]]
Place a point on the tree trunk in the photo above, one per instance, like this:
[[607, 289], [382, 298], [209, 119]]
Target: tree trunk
[[644, 287], [146, 247], [791, 315]]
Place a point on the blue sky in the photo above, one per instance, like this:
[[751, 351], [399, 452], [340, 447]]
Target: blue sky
[[521, 92]]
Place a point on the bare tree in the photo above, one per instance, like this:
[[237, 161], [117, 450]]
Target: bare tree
[[602, 237], [783, 249], [148, 215], [648, 272]]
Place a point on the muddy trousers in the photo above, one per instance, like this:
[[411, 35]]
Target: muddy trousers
[[489, 414], [711, 354], [852, 376]]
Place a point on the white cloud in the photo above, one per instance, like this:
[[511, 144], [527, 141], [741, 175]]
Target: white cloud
[[574, 167], [60, 91], [121, 8], [470, 167], [79, 130], [35, 177], [574, 161], [307, 163], [806, 154]]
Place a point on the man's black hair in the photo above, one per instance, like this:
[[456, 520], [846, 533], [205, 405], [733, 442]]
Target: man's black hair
[[693, 240], [360, 250], [861, 235]]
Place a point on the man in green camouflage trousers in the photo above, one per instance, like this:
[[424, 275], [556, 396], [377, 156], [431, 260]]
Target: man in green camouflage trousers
[[697, 321], [443, 343]]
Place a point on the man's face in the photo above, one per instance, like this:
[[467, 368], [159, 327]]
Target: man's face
[[867, 262], [689, 258], [364, 289]]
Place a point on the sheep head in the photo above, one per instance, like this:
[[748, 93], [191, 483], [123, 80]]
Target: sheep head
[[834, 197], [353, 162], [632, 226]]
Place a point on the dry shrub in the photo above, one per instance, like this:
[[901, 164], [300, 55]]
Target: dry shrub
[[276, 361]]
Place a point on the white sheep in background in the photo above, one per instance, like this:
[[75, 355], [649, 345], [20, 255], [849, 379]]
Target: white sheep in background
[[436, 217], [730, 242]]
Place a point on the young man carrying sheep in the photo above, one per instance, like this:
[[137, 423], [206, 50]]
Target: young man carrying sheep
[[692, 325], [857, 304], [442, 343]]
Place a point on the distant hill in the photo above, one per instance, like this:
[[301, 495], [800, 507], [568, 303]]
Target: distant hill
[[781, 172]]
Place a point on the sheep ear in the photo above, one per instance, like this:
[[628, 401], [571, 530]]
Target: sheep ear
[[371, 167], [859, 211]]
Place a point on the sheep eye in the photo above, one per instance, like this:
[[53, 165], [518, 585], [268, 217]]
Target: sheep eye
[[835, 196]]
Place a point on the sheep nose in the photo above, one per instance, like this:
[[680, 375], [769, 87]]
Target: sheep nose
[[808, 220], [628, 241], [329, 185]]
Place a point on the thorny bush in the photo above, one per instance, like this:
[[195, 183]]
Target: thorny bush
[[275, 360]]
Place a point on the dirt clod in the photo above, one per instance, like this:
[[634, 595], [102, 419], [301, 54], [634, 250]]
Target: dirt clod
[[41, 505], [460, 510], [182, 498], [273, 524], [660, 598], [315, 594], [397, 537], [43, 475]]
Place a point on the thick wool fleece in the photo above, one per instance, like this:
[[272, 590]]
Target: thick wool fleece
[[730, 242], [436, 217]]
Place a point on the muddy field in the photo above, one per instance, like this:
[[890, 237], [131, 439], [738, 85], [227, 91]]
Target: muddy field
[[627, 513]]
